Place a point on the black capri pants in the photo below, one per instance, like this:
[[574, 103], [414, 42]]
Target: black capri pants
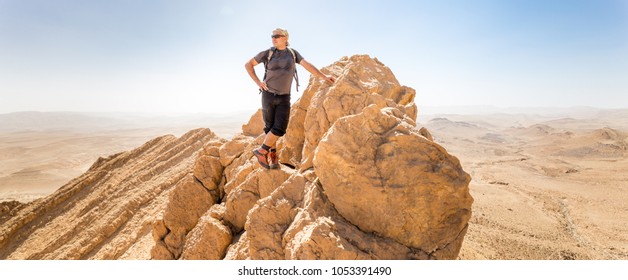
[[276, 111]]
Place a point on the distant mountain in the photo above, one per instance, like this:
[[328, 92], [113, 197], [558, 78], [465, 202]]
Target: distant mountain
[[45, 121], [87, 122], [578, 112]]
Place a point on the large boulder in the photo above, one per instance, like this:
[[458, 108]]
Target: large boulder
[[359, 77], [255, 126], [384, 177]]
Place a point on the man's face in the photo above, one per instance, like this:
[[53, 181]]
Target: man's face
[[279, 39]]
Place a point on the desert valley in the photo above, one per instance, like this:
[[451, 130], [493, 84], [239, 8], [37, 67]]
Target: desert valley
[[545, 185]]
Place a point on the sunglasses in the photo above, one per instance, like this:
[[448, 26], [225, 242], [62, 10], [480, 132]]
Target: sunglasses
[[277, 36]]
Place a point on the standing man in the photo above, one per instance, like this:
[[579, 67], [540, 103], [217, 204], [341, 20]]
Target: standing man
[[280, 65]]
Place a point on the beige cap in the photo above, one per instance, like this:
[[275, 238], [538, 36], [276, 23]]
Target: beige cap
[[281, 31]]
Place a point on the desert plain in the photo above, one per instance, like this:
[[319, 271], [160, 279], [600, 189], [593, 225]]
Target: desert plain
[[547, 183]]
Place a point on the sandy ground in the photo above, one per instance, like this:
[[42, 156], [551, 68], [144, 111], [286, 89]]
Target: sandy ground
[[545, 187]]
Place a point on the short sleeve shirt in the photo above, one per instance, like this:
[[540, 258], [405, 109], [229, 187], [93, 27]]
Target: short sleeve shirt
[[280, 69]]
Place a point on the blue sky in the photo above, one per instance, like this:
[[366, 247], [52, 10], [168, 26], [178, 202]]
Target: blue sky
[[188, 56]]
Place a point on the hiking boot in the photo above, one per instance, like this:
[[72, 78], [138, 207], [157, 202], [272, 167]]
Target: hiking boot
[[261, 156], [273, 160]]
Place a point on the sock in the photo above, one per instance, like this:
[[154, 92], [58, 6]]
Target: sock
[[265, 147]]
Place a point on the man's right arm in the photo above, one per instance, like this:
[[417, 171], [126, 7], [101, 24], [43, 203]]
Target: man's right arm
[[249, 68]]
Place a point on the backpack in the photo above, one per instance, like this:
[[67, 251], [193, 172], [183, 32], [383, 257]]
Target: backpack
[[294, 59]]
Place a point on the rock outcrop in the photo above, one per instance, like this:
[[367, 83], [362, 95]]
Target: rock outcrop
[[107, 212], [359, 180], [9, 209], [384, 177]]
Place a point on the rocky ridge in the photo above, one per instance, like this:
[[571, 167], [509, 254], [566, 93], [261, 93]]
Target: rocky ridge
[[358, 181]]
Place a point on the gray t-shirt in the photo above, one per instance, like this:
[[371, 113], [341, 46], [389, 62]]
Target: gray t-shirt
[[280, 69]]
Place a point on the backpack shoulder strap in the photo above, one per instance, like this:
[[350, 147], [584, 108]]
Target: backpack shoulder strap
[[268, 57], [294, 56], [270, 54], [294, 59]]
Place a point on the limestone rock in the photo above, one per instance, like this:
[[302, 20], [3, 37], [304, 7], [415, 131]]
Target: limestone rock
[[107, 212], [161, 252], [385, 178], [233, 149], [320, 240], [206, 169], [357, 181], [188, 201], [320, 232], [243, 197], [255, 126], [297, 221], [243, 163], [271, 216], [8, 209], [208, 240], [359, 76], [426, 133], [292, 143], [239, 249]]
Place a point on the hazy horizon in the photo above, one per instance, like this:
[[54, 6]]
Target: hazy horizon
[[163, 56], [463, 109]]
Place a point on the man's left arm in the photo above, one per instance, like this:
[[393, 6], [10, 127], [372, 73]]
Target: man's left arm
[[312, 69]]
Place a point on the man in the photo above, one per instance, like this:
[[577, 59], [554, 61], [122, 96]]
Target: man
[[275, 88]]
